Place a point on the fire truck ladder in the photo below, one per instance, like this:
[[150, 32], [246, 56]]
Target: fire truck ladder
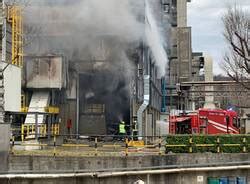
[[15, 18]]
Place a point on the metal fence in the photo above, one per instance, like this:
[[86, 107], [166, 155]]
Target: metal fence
[[111, 145], [86, 145]]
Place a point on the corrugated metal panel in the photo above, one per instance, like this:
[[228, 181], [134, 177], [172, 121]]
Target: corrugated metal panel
[[45, 72], [38, 102]]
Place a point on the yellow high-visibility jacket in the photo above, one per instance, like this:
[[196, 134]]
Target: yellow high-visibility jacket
[[122, 128]]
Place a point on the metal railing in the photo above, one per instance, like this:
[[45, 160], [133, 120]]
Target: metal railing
[[29, 130], [111, 145], [79, 145]]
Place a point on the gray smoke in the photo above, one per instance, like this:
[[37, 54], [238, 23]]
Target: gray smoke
[[154, 39], [81, 25], [99, 32], [78, 29]]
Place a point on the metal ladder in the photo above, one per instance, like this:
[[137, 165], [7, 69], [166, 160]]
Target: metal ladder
[[15, 18]]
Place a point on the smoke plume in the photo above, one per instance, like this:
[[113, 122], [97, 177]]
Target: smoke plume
[[155, 40], [98, 33], [77, 29]]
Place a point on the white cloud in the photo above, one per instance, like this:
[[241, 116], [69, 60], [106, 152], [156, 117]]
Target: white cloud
[[204, 16]]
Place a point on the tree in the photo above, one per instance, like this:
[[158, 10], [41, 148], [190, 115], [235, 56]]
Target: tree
[[237, 34]]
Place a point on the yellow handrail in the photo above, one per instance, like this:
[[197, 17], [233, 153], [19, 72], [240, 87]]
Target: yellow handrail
[[30, 129], [16, 20]]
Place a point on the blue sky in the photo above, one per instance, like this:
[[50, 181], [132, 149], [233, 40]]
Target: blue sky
[[204, 16]]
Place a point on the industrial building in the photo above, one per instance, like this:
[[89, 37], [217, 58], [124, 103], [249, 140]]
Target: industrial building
[[73, 71], [95, 76], [94, 86], [184, 64]]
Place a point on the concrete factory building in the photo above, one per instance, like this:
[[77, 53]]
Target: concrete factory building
[[76, 67]]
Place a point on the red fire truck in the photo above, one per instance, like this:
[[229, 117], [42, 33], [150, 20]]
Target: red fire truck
[[205, 121]]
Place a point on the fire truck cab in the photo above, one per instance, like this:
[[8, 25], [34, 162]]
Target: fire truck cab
[[205, 121]]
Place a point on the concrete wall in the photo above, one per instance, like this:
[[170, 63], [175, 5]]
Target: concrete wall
[[184, 54], [246, 116], [182, 13], [42, 163], [90, 164], [181, 178], [4, 146]]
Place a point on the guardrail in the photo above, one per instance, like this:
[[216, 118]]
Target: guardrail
[[99, 145], [93, 145], [29, 130]]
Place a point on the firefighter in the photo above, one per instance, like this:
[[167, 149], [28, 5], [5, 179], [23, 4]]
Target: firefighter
[[122, 129]]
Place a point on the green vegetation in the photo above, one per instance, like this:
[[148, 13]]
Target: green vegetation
[[207, 143]]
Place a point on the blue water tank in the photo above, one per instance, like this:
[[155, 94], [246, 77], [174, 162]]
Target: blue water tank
[[232, 180], [241, 180], [224, 180]]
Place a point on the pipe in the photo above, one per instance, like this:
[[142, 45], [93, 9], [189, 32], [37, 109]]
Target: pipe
[[43, 176], [170, 171], [122, 173], [77, 104], [209, 97], [144, 105]]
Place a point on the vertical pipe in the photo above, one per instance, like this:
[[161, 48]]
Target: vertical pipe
[[49, 127], [144, 106], [22, 132], [77, 105], [146, 126], [36, 127], [54, 150], [96, 142], [13, 144], [148, 178]]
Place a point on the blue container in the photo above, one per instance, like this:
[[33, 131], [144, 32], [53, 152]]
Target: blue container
[[224, 180], [241, 180], [232, 180]]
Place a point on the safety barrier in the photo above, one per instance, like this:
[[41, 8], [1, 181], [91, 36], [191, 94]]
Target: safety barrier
[[52, 110], [24, 107], [29, 130], [97, 145], [208, 143], [69, 145]]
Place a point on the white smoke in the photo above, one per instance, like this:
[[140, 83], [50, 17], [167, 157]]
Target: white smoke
[[77, 29], [155, 41], [82, 24]]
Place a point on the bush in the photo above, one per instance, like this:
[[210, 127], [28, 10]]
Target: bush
[[207, 143]]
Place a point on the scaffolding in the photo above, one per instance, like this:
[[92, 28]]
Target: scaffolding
[[14, 17]]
